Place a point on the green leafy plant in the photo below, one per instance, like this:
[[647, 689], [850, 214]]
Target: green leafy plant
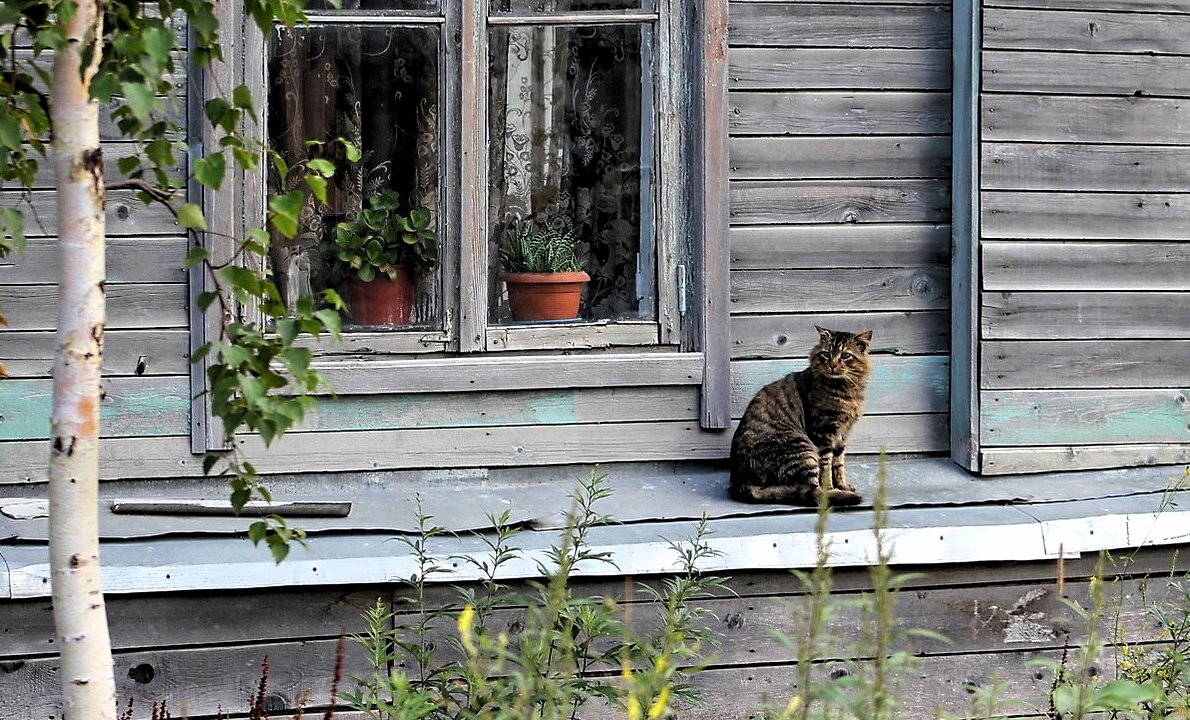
[[381, 240], [549, 655], [540, 247]]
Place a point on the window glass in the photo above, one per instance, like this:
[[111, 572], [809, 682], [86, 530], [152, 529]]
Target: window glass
[[571, 153], [378, 89], [552, 6], [351, 5]]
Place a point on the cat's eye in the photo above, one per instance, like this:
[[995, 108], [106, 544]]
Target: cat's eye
[[847, 356], [823, 356]]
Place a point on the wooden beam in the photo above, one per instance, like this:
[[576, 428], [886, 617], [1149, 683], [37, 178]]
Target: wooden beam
[[131, 406], [966, 232], [809, 247], [761, 202], [1033, 215], [1011, 461], [1085, 315], [794, 158], [774, 291], [1090, 167], [1086, 266], [1063, 73], [1080, 31], [125, 353], [1062, 118], [839, 69], [840, 25], [473, 150], [839, 113], [1085, 417], [130, 260], [792, 335], [132, 306], [1019, 364], [717, 203]]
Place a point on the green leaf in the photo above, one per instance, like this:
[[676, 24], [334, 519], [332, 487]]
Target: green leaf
[[128, 165], [13, 222], [323, 167], [351, 151], [205, 299], [10, 131], [195, 257], [287, 329], [140, 99], [317, 185], [257, 531], [242, 98], [208, 463], [285, 211], [210, 170], [279, 549], [1123, 695], [190, 216]]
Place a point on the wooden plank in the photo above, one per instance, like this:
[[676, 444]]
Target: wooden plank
[[1035, 215], [760, 202], [1011, 461], [1085, 316], [840, 25], [1122, 32], [839, 69], [1086, 266], [571, 337], [713, 200], [125, 353], [473, 150], [33, 307], [1098, 167], [774, 247], [130, 407], [935, 684], [1043, 118], [1085, 364], [1063, 73], [1163, 6], [511, 373], [852, 2], [898, 385], [777, 336], [25, 462], [113, 152], [169, 621], [126, 215], [129, 260], [1085, 417], [525, 408], [894, 156], [774, 291], [965, 232], [838, 113], [194, 681]]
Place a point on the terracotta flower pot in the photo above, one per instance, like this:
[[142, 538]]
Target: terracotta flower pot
[[381, 301], [545, 296]]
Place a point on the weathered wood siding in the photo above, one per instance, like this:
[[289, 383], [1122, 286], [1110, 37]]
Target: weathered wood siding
[[202, 653], [840, 179], [1085, 129]]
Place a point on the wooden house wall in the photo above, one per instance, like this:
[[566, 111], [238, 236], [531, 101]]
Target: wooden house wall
[[1085, 234], [840, 176], [202, 653], [839, 154]]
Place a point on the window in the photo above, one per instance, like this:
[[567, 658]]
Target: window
[[561, 121]]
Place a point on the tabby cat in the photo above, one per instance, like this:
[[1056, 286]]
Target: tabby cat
[[794, 432]]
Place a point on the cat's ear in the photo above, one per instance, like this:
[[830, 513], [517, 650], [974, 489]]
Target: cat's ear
[[864, 340], [823, 333]]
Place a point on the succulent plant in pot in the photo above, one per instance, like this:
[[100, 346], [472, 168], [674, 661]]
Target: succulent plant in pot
[[376, 257], [542, 269]]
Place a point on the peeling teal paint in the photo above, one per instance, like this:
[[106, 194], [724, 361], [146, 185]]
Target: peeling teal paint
[[126, 411], [1085, 417]]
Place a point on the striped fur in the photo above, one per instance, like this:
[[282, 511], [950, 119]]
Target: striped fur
[[790, 444]]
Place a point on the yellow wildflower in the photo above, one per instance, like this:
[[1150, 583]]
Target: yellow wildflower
[[659, 705], [634, 711], [794, 703], [466, 629]]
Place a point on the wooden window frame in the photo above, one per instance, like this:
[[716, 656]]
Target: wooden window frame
[[691, 215]]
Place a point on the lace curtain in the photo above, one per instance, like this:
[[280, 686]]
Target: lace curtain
[[377, 88]]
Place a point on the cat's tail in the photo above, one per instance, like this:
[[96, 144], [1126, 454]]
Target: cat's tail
[[803, 495]]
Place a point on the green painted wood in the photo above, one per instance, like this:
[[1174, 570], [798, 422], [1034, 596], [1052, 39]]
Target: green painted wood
[[1017, 71], [125, 353], [34, 307], [775, 291], [838, 69], [769, 247], [1085, 216], [792, 335], [1085, 417], [894, 156], [126, 214], [1162, 6], [1046, 118], [1063, 458], [1093, 167], [1044, 364], [897, 385], [495, 409], [840, 25], [1085, 315], [130, 407], [766, 202], [1086, 266], [1123, 32], [129, 260]]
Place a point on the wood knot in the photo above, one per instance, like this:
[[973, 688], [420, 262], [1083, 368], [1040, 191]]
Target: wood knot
[[142, 674], [734, 620]]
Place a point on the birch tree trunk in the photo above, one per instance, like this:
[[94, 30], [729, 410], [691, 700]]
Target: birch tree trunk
[[80, 619]]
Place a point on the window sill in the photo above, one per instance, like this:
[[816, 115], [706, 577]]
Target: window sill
[[1070, 515]]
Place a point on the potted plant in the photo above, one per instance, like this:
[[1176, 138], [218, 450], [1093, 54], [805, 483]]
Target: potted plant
[[376, 257], [542, 270]]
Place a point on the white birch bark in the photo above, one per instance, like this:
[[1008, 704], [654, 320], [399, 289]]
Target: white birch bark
[[80, 619]]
